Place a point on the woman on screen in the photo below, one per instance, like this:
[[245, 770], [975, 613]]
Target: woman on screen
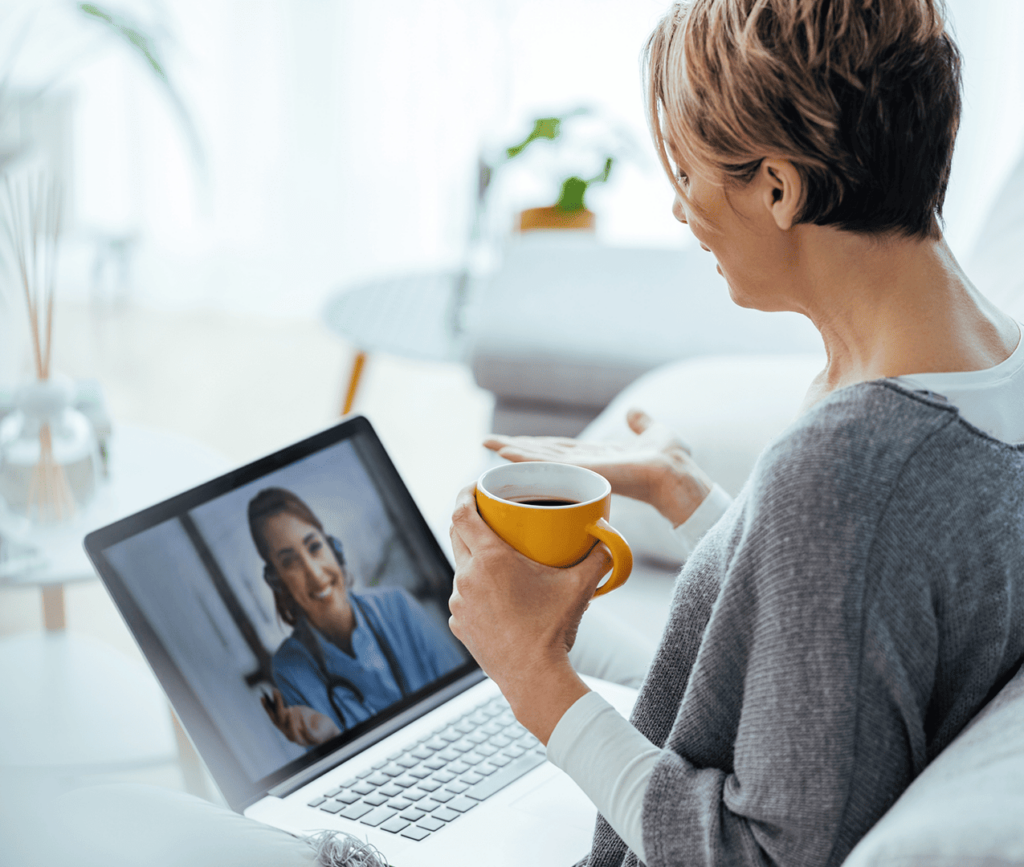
[[350, 655]]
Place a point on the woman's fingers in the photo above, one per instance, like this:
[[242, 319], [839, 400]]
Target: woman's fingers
[[459, 548], [467, 524]]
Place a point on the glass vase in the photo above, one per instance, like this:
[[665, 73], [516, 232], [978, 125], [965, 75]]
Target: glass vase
[[49, 459]]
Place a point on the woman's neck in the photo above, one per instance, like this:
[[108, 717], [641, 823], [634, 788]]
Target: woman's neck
[[892, 307], [338, 625]]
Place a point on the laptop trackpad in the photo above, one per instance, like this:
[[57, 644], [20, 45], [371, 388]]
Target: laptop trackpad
[[558, 796]]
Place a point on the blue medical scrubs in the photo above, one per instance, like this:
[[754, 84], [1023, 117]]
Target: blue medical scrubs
[[422, 649]]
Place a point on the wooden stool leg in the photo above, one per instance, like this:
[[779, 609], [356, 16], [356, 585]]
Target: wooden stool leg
[[358, 363], [53, 607], [189, 762]]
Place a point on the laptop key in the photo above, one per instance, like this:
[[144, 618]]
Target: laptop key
[[349, 797], [395, 825], [435, 744], [485, 768], [461, 804], [471, 779], [446, 815], [378, 815], [364, 788], [377, 779], [442, 797], [406, 781], [456, 787], [391, 790], [414, 795], [407, 762], [412, 814], [316, 802], [435, 763], [375, 800], [415, 833], [449, 754], [499, 760], [392, 770], [443, 777], [458, 767], [401, 804], [355, 811], [420, 773], [430, 823], [333, 807], [473, 758], [336, 791], [429, 786], [422, 752], [486, 750], [511, 772]]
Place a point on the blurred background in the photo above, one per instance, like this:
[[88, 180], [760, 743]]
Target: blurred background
[[257, 191]]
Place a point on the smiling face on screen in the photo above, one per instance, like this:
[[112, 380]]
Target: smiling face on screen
[[308, 568]]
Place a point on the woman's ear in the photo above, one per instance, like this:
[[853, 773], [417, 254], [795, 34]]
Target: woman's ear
[[783, 191]]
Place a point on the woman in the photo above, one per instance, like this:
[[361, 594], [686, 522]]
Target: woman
[[350, 655], [860, 600]]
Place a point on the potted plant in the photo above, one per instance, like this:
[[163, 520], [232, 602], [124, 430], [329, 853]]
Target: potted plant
[[581, 149]]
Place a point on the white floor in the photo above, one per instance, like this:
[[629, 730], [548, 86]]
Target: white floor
[[246, 386]]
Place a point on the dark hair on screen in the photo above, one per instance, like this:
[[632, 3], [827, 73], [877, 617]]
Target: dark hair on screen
[[266, 504]]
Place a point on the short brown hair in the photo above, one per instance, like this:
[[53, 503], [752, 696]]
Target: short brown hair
[[862, 96]]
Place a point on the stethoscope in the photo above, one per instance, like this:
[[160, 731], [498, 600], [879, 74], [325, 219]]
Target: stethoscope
[[335, 681]]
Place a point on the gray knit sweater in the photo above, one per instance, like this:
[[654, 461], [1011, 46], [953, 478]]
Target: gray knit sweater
[[856, 605]]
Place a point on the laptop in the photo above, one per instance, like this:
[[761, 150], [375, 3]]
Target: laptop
[[295, 611]]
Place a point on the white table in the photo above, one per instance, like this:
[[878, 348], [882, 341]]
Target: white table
[[71, 702]]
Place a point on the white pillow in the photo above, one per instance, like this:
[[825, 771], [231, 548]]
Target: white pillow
[[726, 408]]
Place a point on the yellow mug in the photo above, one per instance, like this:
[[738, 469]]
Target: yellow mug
[[554, 514]]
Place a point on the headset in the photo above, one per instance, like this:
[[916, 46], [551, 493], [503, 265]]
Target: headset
[[333, 681]]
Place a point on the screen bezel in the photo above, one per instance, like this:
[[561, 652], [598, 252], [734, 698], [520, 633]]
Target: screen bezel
[[235, 785]]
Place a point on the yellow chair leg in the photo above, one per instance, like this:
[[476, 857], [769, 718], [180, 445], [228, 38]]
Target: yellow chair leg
[[358, 363]]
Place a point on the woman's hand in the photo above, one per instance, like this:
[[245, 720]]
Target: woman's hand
[[519, 618], [655, 467], [300, 724]]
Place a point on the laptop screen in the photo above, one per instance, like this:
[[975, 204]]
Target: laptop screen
[[288, 607]]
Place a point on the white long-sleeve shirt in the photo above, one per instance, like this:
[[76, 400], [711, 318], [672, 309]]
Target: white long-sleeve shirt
[[992, 400]]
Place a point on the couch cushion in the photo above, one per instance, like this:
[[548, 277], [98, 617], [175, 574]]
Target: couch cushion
[[726, 408], [996, 264], [567, 320], [967, 807]]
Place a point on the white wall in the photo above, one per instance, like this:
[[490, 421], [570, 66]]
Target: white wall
[[341, 136]]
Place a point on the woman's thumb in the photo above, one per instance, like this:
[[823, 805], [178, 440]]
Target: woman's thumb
[[638, 420]]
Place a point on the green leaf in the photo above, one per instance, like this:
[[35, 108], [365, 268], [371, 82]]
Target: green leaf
[[571, 197], [543, 127]]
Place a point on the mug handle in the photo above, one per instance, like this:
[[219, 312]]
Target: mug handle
[[622, 556]]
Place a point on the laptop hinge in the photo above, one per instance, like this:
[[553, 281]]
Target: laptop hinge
[[297, 781]]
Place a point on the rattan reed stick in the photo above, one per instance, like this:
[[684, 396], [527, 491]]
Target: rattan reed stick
[[32, 218]]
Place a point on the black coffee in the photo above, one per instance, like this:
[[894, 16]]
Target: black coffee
[[531, 500]]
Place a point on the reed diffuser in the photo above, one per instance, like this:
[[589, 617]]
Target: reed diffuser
[[48, 455]]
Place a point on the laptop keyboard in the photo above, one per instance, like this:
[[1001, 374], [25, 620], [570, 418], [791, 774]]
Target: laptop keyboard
[[420, 790]]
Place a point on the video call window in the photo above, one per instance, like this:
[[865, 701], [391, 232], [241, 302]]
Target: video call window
[[294, 607]]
